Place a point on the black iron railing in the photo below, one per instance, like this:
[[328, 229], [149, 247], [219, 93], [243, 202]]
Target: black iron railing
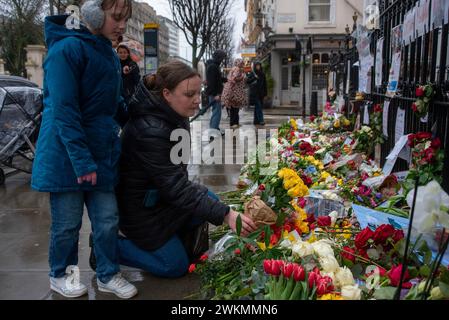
[[424, 60]]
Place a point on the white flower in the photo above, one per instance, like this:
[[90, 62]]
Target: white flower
[[436, 294], [430, 201], [302, 249], [351, 293], [329, 263], [322, 248], [344, 277], [334, 216], [286, 243]]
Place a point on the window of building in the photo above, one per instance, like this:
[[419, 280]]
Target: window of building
[[319, 76], [325, 58], [316, 58], [296, 76], [320, 10]]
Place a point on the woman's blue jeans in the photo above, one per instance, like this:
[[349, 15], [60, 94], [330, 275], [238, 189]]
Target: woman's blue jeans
[[66, 215], [169, 261]]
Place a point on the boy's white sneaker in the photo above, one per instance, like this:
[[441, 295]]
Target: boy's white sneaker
[[118, 286], [69, 286]]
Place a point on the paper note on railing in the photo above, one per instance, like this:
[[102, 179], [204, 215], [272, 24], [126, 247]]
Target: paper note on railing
[[392, 157], [366, 115], [400, 124], [398, 147], [385, 118]]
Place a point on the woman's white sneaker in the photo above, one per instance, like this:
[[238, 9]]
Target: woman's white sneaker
[[118, 286]]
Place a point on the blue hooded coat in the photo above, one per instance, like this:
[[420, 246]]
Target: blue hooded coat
[[82, 93]]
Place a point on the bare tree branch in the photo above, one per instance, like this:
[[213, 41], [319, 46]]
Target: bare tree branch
[[199, 20]]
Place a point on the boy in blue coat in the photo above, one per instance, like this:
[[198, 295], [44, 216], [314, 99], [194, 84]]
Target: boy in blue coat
[[78, 147]]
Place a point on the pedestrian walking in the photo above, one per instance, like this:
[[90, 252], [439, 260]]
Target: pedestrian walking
[[234, 93], [163, 213], [258, 92], [78, 147], [214, 89], [130, 72]]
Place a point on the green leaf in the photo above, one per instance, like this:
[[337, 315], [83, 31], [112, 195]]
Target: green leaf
[[425, 271], [385, 293], [357, 270], [239, 225], [444, 276], [267, 235]]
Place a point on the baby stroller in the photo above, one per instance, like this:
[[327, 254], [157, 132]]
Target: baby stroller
[[20, 117]]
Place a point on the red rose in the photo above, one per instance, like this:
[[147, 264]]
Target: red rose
[[419, 92], [395, 274], [192, 267], [436, 143], [377, 108], [204, 257], [312, 118], [237, 251], [348, 254], [262, 187], [430, 154], [311, 218], [398, 235], [298, 273], [361, 240], [414, 107], [423, 136], [363, 253], [324, 221], [382, 233]]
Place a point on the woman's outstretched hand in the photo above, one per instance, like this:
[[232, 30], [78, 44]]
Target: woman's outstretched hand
[[248, 225], [90, 177]]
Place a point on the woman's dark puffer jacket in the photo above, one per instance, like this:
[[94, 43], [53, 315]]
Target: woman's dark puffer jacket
[[145, 165]]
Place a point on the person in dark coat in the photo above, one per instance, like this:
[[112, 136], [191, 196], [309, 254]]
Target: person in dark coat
[[258, 91], [214, 89], [157, 201], [130, 72], [78, 147]]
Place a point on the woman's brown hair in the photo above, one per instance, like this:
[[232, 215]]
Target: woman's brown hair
[[169, 76]]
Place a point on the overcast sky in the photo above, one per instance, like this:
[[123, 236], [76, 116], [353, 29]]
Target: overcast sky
[[238, 11]]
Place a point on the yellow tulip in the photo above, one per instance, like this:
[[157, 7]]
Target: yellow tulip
[[293, 124], [331, 296]]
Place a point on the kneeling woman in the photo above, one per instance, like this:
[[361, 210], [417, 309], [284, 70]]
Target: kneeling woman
[[157, 201]]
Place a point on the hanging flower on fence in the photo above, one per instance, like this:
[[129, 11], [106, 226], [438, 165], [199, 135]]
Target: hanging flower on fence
[[376, 124], [427, 158], [424, 95]]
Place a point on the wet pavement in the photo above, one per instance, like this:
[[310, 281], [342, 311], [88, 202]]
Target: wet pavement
[[25, 222]]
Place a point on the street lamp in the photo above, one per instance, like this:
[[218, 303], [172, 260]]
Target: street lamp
[[308, 49], [266, 30]]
